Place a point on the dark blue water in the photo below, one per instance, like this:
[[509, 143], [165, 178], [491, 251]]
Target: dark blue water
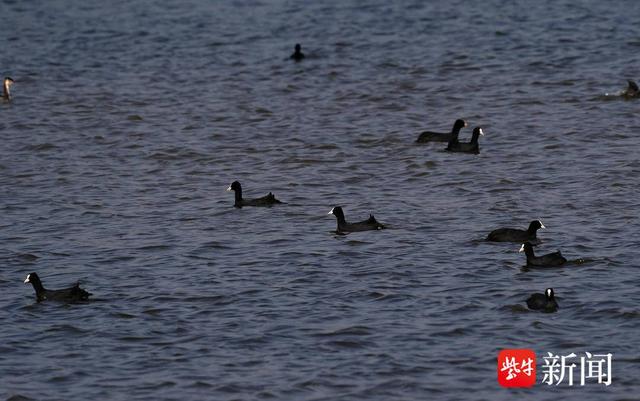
[[129, 120]]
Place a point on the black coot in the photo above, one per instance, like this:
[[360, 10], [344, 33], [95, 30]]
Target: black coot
[[464, 147], [297, 54], [429, 136], [344, 227], [267, 200], [515, 234], [545, 302], [548, 260], [70, 294]]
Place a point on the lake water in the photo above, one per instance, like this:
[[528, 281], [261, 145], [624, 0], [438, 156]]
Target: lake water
[[130, 119]]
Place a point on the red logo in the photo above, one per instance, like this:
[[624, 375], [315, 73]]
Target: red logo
[[517, 368]]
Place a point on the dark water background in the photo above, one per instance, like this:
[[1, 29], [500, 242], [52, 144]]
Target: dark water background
[[130, 119]]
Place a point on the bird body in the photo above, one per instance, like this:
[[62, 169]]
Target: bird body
[[297, 54], [545, 302], [429, 136], [466, 147], [344, 227], [71, 294], [515, 234], [267, 200], [548, 260]]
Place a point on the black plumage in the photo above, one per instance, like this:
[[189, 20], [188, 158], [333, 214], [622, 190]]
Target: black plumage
[[267, 200], [429, 136], [71, 294], [545, 302], [466, 147], [297, 53], [344, 227], [515, 234], [548, 260]]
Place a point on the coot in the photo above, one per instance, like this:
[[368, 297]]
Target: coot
[[548, 260], [343, 227], [70, 294], [464, 147], [267, 200], [297, 54], [515, 234], [545, 302], [429, 136]]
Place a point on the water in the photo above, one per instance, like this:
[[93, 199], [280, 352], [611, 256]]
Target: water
[[129, 121]]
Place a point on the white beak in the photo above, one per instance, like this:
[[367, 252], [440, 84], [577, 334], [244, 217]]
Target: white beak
[[26, 280], [481, 132], [331, 211], [521, 248], [229, 189], [541, 225]]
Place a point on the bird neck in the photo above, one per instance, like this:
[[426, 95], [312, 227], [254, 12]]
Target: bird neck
[[474, 138], [529, 252], [341, 219], [37, 285]]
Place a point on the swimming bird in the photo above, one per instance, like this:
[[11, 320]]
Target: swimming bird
[[343, 227], [632, 90], [464, 147], [548, 260], [545, 302], [70, 294], [297, 54], [267, 200], [6, 86], [515, 234], [428, 136]]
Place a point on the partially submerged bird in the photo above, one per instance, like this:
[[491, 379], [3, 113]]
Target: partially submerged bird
[[515, 234], [70, 294], [464, 147], [6, 88], [548, 260], [545, 302], [632, 90], [429, 136], [297, 54], [267, 200], [343, 227]]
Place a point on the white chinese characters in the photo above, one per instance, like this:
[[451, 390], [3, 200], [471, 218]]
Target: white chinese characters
[[513, 368], [592, 366]]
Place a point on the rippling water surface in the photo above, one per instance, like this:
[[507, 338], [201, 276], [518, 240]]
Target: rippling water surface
[[130, 119]]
